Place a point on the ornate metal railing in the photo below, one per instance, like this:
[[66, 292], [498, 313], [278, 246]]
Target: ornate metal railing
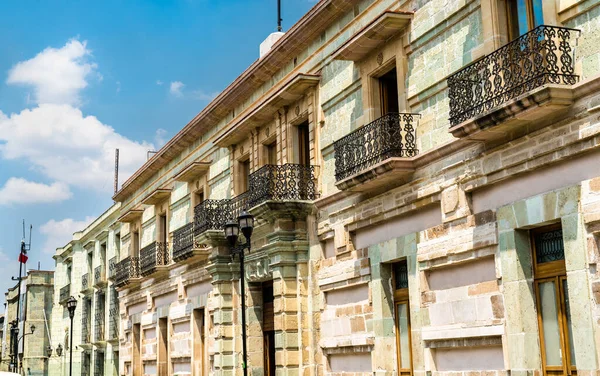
[[153, 255], [183, 242], [85, 281], [85, 322], [392, 135], [113, 316], [99, 318], [545, 55], [282, 182], [127, 269], [112, 264], [210, 215], [238, 204], [99, 364], [65, 293], [99, 275]]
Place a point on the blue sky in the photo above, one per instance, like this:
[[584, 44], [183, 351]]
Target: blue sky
[[81, 78]]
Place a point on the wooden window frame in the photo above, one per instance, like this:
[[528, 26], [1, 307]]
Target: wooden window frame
[[552, 271], [401, 296]]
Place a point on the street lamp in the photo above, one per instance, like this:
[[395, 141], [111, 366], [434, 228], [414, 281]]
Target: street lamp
[[232, 231], [32, 328], [59, 350], [14, 336], [49, 351], [71, 305]]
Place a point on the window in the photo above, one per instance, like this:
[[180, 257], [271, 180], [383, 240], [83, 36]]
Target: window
[[402, 317], [388, 89], [162, 228], [198, 342], [135, 244], [303, 144], [268, 329], [243, 175], [552, 298], [271, 153], [522, 16]]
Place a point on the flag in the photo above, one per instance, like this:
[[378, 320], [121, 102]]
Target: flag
[[22, 258]]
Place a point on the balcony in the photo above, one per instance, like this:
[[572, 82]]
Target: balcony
[[85, 282], [99, 325], [99, 276], [183, 242], [112, 268], [65, 293], [126, 270], [210, 215], [288, 182], [113, 321], [377, 153], [153, 255], [524, 81]]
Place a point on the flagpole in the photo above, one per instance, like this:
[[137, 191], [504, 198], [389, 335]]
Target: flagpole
[[16, 344]]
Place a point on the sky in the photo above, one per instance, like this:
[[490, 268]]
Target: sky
[[81, 78]]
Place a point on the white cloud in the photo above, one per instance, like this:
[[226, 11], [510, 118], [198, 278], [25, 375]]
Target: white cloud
[[69, 147], [201, 95], [21, 191], [176, 88], [159, 82], [159, 138], [59, 233], [56, 75]]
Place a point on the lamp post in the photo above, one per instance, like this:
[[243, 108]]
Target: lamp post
[[32, 328], [245, 222], [71, 305], [14, 335]]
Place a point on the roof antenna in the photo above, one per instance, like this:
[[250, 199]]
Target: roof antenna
[[279, 15], [116, 170]]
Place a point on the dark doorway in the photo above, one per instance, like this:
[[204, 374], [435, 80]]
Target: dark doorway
[[268, 329], [303, 144], [388, 89]]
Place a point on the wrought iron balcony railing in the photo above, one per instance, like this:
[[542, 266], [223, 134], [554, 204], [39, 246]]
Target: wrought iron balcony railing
[[99, 275], [85, 282], [85, 323], [153, 255], [210, 215], [99, 328], [112, 265], [545, 55], [65, 293], [392, 135], [282, 183], [183, 242], [127, 269], [270, 182], [113, 321]]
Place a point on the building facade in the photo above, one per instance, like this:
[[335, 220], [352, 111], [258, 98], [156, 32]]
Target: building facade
[[425, 184], [85, 270], [37, 292]]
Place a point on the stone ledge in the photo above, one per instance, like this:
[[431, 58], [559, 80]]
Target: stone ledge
[[453, 332], [507, 120], [345, 344]]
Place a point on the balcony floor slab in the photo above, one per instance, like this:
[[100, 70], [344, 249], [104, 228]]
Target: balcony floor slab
[[519, 116]]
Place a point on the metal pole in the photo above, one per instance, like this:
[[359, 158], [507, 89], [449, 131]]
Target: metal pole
[[243, 291], [71, 349], [16, 343], [279, 15]]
